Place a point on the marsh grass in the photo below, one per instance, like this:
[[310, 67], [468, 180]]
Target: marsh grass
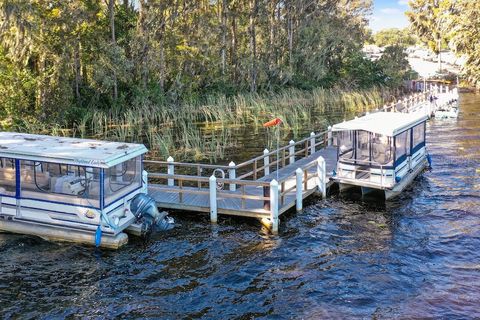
[[203, 130], [199, 131]]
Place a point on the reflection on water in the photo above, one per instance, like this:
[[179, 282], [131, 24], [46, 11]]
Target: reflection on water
[[417, 256]]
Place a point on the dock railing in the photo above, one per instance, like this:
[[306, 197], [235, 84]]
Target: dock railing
[[234, 188], [252, 169]]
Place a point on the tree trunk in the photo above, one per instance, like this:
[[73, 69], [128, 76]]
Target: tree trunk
[[144, 40], [253, 45], [161, 43], [111, 12], [224, 34], [233, 49], [290, 32], [76, 62]]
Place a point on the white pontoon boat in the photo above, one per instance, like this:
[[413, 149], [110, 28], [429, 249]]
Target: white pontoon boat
[[73, 189], [381, 151]]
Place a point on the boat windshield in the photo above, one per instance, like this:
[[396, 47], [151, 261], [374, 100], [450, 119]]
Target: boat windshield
[[62, 183], [7, 177], [363, 146], [370, 148], [345, 144], [122, 179], [381, 149]]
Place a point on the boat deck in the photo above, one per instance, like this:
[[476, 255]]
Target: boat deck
[[247, 200]]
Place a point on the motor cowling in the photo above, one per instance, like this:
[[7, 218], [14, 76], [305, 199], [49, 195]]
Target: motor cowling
[[145, 210]]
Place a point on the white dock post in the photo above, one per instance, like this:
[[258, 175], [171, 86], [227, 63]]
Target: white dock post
[[321, 172], [312, 142], [170, 171], [329, 136], [266, 162], [291, 152], [212, 183], [232, 175], [274, 205], [299, 189], [144, 182]]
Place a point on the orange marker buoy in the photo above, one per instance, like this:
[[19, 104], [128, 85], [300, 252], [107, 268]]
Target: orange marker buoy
[[272, 123]]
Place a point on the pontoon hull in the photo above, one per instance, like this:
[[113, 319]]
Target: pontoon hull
[[55, 233], [345, 184]]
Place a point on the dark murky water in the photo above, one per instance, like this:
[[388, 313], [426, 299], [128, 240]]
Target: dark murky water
[[415, 257]]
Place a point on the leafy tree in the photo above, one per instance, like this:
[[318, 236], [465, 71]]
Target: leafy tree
[[452, 22], [67, 57], [395, 66], [465, 37], [429, 20], [394, 36]]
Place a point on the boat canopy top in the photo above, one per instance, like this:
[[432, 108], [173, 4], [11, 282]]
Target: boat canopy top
[[385, 123], [74, 151]]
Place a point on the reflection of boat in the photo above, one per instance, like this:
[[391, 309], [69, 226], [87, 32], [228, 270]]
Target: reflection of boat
[[381, 151], [70, 189], [447, 105], [448, 111]]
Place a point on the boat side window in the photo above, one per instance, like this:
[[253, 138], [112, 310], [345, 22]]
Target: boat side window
[[401, 146], [418, 135], [122, 179], [61, 183], [363, 145], [408, 144], [7, 177], [345, 144], [381, 149]]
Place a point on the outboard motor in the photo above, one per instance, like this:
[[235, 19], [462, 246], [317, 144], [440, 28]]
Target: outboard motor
[[145, 210]]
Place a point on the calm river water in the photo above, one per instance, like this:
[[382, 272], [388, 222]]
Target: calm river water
[[415, 257]]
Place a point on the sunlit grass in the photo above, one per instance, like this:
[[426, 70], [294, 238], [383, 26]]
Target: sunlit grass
[[199, 131]]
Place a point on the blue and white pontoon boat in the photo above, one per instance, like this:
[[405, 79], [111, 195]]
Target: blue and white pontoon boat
[[73, 189], [381, 151]]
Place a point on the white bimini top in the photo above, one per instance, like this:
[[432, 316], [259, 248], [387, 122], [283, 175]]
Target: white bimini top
[[83, 152], [385, 123]]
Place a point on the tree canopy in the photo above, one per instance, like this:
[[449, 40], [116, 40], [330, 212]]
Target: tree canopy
[[60, 58], [452, 22], [394, 37]]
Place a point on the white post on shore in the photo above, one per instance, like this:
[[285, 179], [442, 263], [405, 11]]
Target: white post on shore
[[299, 189], [274, 205], [232, 175], [291, 152], [322, 174], [266, 162], [312, 142], [170, 171], [329, 136], [212, 183]]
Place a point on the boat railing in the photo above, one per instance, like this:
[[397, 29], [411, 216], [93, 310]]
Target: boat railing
[[364, 170]]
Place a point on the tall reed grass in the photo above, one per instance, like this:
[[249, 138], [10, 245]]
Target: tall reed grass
[[203, 130]]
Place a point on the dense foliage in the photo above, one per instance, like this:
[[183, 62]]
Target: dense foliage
[[394, 36], [455, 23], [59, 59]]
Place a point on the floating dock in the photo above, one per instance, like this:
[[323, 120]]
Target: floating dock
[[255, 188]]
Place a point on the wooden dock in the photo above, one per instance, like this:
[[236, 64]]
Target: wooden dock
[[255, 188]]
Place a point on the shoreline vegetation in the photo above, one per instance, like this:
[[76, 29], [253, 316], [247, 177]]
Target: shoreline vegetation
[[203, 131], [180, 76]]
